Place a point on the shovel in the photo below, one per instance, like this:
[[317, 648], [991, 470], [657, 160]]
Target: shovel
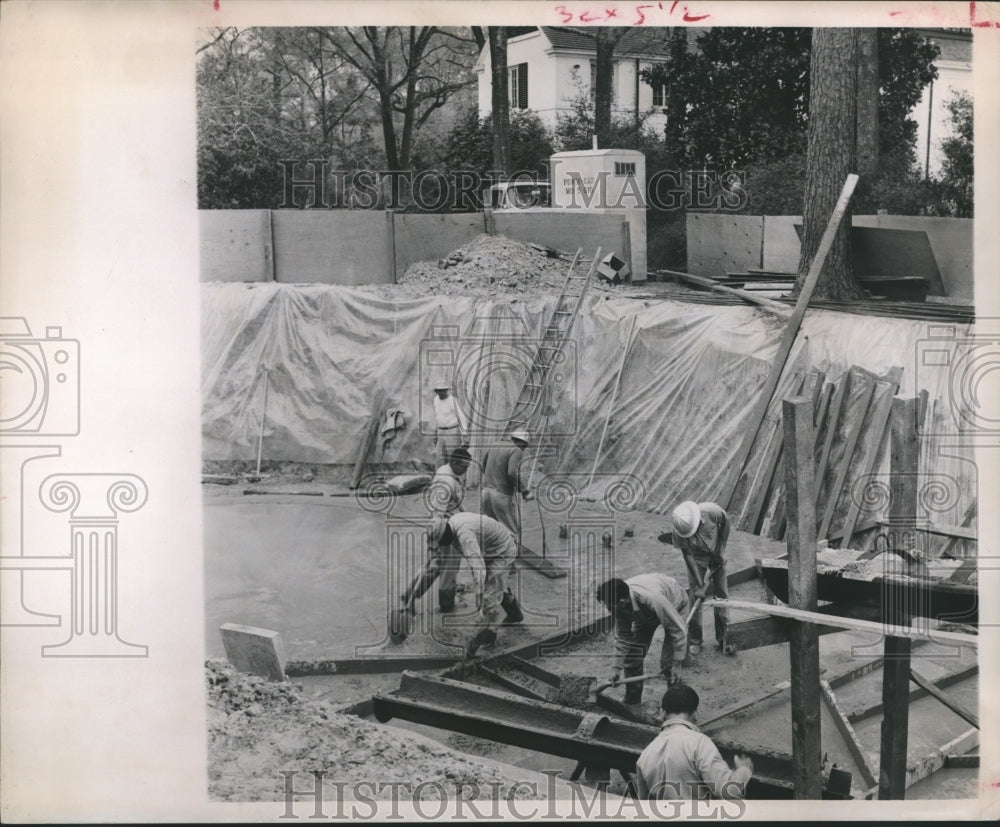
[[401, 620], [598, 688], [702, 590]]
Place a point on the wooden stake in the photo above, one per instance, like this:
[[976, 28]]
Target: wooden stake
[[767, 304], [791, 331], [807, 748], [848, 735], [369, 439], [903, 468], [954, 706]]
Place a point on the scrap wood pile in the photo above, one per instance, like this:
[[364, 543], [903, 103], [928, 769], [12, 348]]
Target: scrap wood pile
[[852, 433], [258, 727]]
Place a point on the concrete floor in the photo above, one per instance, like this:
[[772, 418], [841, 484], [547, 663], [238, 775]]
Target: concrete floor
[[314, 568]]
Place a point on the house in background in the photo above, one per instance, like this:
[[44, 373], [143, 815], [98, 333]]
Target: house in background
[[954, 66], [549, 67]]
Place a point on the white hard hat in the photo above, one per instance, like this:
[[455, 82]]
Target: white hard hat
[[442, 386], [522, 435], [687, 518]]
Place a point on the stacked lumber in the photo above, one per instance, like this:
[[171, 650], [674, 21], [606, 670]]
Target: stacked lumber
[[851, 420]]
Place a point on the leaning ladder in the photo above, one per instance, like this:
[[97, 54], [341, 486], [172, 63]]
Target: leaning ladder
[[552, 344]]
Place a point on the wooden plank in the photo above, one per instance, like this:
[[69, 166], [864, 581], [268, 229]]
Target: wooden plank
[[767, 304], [739, 707], [835, 406], [916, 694], [390, 242], [770, 631], [803, 649], [961, 762], [846, 623], [848, 735], [967, 520], [959, 709], [369, 439], [791, 331], [512, 685], [958, 532], [541, 564], [930, 764], [854, 431], [875, 426], [895, 720]]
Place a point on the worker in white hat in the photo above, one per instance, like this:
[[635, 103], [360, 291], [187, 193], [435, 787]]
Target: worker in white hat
[[449, 422], [503, 481], [701, 531]]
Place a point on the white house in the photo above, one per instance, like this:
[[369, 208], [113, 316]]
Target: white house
[[550, 66], [954, 66]]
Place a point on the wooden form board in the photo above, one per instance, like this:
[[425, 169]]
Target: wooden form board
[[430, 237], [234, 245], [718, 243]]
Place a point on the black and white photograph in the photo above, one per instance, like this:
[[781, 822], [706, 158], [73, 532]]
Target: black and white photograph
[[517, 411]]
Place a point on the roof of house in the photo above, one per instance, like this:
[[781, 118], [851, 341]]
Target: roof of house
[[638, 41], [955, 44]]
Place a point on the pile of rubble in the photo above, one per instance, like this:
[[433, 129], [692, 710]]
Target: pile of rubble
[[259, 728], [490, 266]]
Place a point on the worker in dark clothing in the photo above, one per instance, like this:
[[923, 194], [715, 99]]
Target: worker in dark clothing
[[502, 483], [682, 763], [639, 606], [701, 531]]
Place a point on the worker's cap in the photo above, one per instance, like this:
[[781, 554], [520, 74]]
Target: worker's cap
[[460, 455], [521, 435], [441, 386], [686, 518]]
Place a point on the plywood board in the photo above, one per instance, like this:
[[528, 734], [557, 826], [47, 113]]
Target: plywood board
[[234, 245], [722, 243]]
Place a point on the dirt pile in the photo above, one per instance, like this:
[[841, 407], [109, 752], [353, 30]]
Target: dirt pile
[[492, 265], [258, 728]]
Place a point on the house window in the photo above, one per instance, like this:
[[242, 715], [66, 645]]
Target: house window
[[593, 83], [659, 93], [624, 168], [517, 86]]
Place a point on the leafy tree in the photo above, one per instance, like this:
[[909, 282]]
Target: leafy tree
[[469, 145], [742, 98], [957, 167]]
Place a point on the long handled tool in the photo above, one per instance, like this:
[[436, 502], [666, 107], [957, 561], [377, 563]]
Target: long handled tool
[[401, 620], [702, 590], [611, 684]]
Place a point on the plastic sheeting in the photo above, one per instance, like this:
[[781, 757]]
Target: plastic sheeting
[[685, 397]]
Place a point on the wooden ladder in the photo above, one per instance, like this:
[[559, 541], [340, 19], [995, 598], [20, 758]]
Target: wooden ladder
[[527, 408]]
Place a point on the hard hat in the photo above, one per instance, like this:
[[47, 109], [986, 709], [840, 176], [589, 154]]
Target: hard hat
[[522, 435], [441, 386], [687, 518]]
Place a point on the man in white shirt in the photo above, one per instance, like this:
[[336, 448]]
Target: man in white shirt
[[444, 499], [682, 763], [449, 421]]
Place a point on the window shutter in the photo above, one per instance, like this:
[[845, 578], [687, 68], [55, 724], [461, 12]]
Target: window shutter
[[522, 85]]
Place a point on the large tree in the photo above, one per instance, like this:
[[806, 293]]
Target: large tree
[[830, 157], [741, 96], [500, 97]]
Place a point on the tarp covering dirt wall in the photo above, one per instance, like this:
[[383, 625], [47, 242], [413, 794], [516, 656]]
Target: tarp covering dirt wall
[[687, 388]]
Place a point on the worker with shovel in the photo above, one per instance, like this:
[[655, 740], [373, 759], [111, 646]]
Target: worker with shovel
[[639, 605], [701, 531], [444, 498], [489, 548]]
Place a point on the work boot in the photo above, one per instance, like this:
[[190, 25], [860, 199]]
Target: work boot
[[483, 637], [446, 600], [513, 609]]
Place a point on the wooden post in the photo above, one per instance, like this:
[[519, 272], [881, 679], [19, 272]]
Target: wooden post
[[904, 459], [807, 751], [489, 222], [269, 249], [627, 252], [390, 240]]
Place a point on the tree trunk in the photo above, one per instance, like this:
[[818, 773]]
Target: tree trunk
[[605, 39], [830, 158], [867, 101], [500, 100]]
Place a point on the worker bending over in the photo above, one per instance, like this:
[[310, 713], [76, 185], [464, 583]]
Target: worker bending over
[[682, 763], [444, 499], [639, 605], [502, 482], [701, 531], [489, 549]]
